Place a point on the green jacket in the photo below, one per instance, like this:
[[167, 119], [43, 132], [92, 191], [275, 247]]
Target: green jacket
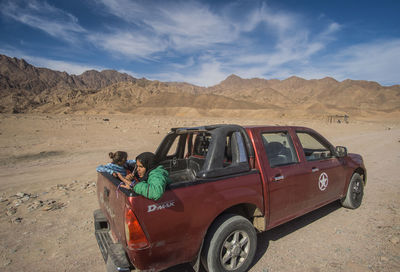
[[154, 187]]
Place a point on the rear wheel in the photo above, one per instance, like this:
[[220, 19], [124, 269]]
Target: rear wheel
[[230, 244], [355, 192]]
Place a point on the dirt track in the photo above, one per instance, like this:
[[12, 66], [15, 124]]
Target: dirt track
[[51, 160]]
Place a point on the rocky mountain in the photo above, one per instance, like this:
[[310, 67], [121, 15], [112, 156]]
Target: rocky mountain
[[349, 96], [26, 89], [17, 74]]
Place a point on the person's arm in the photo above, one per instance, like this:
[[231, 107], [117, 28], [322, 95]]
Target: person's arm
[[154, 187], [111, 169], [104, 169], [125, 180]]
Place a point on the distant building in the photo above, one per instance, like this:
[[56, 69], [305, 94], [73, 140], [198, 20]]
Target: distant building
[[338, 119]]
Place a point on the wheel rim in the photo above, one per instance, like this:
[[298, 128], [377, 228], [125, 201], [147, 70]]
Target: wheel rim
[[357, 191], [235, 250]]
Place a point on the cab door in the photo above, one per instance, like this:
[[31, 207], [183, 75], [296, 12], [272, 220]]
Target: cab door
[[283, 174], [324, 171]]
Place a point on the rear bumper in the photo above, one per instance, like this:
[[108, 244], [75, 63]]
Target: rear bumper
[[113, 253]]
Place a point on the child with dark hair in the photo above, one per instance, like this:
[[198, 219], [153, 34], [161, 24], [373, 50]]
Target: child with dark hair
[[149, 180], [119, 164]]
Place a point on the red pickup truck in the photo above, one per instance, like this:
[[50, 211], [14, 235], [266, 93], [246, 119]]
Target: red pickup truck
[[228, 182]]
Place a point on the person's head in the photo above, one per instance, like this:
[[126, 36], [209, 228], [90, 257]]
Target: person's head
[[145, 162], [118, 157]]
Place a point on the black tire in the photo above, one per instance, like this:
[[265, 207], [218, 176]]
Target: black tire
[[355, 192], [230, 244]]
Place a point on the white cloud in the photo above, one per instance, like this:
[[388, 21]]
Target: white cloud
[[190, 62], [191, 27], [208, 73], [40, 15], [57, 65], [131, 44], [333, 27], [187, 25], [376, 61], [280, 22], [294, 50], [125, 9]]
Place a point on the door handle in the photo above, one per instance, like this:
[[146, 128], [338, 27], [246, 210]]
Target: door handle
[[278, 178], [315, 169]]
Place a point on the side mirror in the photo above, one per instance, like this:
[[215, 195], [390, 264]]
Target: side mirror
[[341, 151]]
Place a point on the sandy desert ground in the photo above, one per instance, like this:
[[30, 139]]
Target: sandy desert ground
[[47, 194]]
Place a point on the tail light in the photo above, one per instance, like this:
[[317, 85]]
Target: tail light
[[135, 237]]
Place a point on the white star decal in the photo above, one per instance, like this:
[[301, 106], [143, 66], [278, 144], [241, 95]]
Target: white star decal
[[323, 181]]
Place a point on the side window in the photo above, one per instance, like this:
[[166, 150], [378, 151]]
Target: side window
[[241, 147], [173, 149], [313, 148], [279, 148], [235, 150]]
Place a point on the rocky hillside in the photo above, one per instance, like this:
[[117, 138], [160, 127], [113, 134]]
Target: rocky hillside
[[25, 88], [313, 96]]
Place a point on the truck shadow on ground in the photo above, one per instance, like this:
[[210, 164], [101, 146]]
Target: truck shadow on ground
[[290, 227], [275, 234]]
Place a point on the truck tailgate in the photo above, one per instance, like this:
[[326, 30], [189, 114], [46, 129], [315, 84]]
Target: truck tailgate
[[112, 203]]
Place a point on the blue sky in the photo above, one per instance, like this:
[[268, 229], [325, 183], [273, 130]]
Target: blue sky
[[203, 42]]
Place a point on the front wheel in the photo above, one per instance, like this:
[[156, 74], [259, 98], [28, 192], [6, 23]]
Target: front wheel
[[230, 244], [355, 192]]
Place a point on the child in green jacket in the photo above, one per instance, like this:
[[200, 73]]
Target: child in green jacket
[[150, 180]]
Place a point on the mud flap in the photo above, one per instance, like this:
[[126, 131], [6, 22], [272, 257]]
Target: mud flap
[[196, 262]]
